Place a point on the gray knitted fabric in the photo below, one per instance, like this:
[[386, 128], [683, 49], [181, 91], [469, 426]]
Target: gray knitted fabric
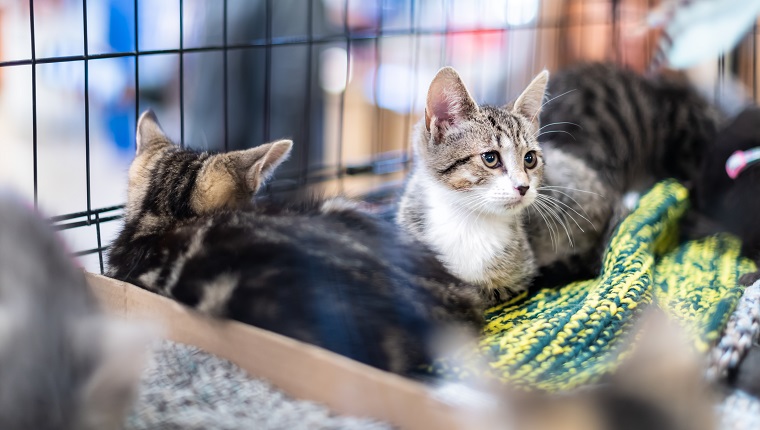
[[186, 388], [742, 329], [739, 411]]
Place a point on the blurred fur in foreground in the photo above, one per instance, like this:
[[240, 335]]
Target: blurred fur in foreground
[[659, 386], [63, 364]]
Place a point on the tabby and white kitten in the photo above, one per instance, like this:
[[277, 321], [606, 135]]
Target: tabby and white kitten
[[64, 364], [499, 208], [322, 272], [477, 171]]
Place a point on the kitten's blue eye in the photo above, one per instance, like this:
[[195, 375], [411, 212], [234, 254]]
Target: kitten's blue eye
[[531, 159], [491, 159]]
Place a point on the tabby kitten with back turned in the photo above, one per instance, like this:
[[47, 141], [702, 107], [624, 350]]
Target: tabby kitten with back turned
[[322, 272]]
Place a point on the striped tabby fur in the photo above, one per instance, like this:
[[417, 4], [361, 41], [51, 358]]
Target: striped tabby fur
[[322, 272], [634, 131], [631, 131]]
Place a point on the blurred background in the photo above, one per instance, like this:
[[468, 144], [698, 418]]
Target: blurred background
[[345, 79]]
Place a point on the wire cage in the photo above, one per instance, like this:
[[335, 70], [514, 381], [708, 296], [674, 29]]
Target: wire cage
[[345, 79]]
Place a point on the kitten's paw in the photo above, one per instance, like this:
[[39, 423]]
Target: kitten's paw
[[748, 279]]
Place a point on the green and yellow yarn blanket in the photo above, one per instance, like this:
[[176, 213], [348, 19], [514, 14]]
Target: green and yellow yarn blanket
[[560, 338]]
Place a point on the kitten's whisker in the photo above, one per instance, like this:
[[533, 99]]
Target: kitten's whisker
[[478, 212], [561, 221], [568, 215], [562, 213], [473, 196], [537, 207], [548, 187], [568, 196], [472, 199], [541, 209], [556, 200], [554, 203], [551, 235], [465, 217], [555, 131], [559, 122], [480, 204], [549, 101], [467, 200], [585, 217], [553, 219], [565, 215], [469, 210], [552, 189], [471, 205], [477, 217]]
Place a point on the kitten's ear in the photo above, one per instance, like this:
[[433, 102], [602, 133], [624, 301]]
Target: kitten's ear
[[257, 164], [531, 100], [149, 133], [448, 102]]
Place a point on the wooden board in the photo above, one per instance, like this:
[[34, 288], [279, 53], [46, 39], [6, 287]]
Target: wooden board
[[303, 371]]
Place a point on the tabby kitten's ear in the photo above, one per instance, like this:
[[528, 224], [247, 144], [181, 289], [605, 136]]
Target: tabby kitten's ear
[[531, 100], [257, 164], [149, 133], [448, 103]]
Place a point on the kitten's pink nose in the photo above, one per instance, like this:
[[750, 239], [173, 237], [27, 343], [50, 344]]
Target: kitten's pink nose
[[522, 189]]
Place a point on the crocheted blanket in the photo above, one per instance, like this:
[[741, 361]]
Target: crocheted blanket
[[559, 338]]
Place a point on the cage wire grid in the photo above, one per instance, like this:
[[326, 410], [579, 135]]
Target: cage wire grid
[[376, 161]]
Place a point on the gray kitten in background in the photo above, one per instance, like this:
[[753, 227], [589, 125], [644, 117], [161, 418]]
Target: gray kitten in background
[[64, 364], [632, 131], [477, 171]]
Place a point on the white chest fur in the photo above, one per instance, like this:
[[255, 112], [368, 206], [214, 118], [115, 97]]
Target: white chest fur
[[468, 242]]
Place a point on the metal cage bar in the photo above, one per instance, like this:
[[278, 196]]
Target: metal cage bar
[[347, 34]]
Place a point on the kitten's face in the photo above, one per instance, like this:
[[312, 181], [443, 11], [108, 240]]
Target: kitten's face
[[167, 181], [488, 158]]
